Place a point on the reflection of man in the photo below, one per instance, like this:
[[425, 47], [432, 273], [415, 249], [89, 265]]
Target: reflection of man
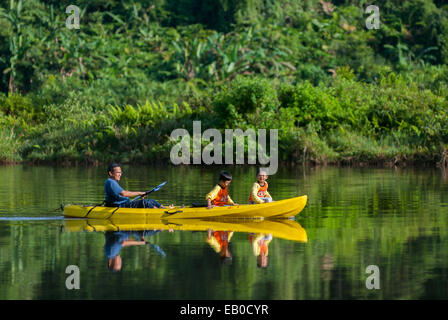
[[219, 241], [120, 239], [260, 244]]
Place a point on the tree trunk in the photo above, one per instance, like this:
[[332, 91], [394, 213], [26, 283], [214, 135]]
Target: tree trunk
[[11, 86]]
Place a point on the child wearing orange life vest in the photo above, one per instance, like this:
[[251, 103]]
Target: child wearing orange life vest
[[259, 192], [219, 196]]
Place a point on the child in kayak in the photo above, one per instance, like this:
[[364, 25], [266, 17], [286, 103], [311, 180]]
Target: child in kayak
[[259, 192], [219, 196]]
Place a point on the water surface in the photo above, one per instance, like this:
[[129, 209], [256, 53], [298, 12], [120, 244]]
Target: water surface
[[395, 219]]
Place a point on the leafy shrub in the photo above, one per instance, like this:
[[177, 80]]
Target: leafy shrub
[[246, 100], [315, 104], [17, 105]]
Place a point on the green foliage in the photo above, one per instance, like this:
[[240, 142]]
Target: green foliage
[[74, 131], [246, 101], [310, 69], [17, 105], [315, 104], [10, 144], [213, 40], [344, 121]]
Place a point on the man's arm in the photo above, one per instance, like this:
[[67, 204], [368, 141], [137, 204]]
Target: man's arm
[[128, 243], [114, 189], [131, 194]]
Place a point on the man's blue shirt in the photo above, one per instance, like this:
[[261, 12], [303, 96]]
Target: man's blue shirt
[[112, 190], [114, 244]]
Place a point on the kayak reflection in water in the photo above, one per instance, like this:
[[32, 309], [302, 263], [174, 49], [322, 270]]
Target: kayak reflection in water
[[117, 240], [219, 241], [116, 196], [260, 242]]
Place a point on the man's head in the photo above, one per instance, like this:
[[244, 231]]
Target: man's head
[[114, 264], [114, 171]]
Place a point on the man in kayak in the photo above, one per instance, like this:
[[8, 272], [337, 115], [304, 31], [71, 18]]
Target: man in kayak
[[259, 192], [219, 196], [116, 196]]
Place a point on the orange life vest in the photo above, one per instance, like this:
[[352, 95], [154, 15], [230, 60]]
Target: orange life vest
[[261, 192], [262, 244], [222, 198], [263, 247], [222, 237]]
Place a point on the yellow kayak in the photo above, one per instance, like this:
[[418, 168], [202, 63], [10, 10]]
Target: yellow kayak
[[285, 229], [277, 209]]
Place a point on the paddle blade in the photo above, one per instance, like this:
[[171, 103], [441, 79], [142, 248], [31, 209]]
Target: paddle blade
[[158, 249], [152, 190], [159, 186]]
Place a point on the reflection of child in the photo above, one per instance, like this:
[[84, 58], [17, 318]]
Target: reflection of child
[[219, 241], [219, 196], [260, 242], [259, 192]]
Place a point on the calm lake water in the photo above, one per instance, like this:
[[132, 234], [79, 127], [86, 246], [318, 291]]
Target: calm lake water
[[395, 219]]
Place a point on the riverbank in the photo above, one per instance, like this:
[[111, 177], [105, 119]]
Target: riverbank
[[349, 163], [344, 121]]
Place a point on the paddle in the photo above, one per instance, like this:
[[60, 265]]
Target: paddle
[[198, 205], [152, 190], [156, 248]]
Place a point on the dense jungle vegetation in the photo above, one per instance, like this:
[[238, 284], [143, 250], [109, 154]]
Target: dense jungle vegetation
[[135, 70]]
